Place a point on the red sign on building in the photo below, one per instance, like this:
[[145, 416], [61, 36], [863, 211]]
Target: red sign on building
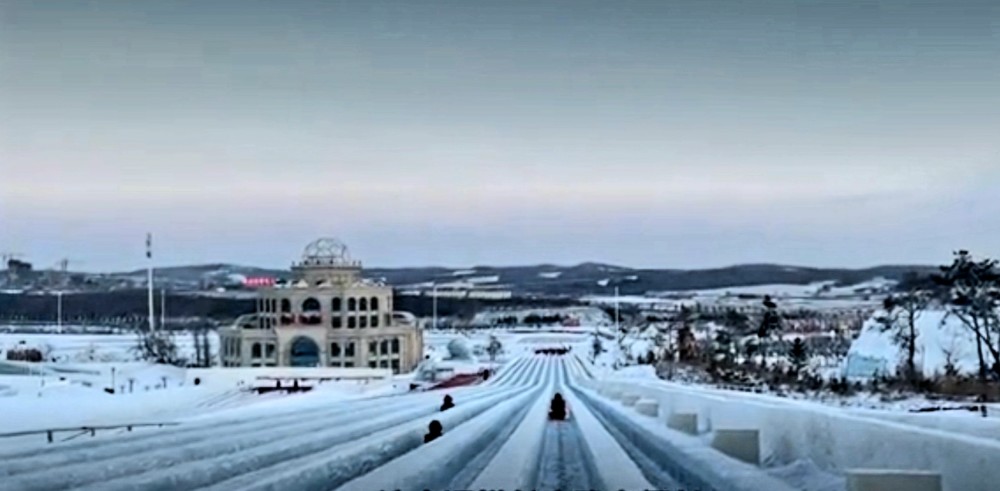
[[258, 281]]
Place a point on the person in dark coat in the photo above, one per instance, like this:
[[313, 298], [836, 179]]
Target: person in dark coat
[[557, 409], [433, 431], [448, 403]]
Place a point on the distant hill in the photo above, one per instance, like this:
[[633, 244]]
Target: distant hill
[[586, 278]]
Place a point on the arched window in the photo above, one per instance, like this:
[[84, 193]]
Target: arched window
[[352, 304], [335, 304], [363, 304], [286, 305], [255, 350], [336, 322], [310, 305], [374, 321], [350, 349], [335, 349], [270, 350], [351, 322], [374, 303], [385, 346], [363, 322], [395, 345]]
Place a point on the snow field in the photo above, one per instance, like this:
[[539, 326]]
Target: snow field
[[832, 439]]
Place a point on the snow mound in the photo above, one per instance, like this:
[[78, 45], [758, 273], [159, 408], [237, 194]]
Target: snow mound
[[459, 349], [940, 337]]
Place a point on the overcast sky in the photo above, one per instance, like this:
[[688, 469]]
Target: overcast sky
[[651, 134]]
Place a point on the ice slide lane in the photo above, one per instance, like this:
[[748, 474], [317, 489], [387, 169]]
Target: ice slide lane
[[11, 463], [454, 459], [514, 446], [154, 457], [347, 462], [672, 460]]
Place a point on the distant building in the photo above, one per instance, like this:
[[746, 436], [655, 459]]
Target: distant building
[[326, 316]]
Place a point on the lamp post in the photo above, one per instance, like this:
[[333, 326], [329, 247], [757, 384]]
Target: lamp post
[[434, 307], [618, 338], [59, 311]]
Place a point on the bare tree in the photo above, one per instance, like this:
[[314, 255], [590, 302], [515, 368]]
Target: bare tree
[[158, 347], [900, 319]]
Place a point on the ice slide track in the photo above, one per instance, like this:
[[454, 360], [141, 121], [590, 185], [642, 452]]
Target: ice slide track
[[514, 446], [517, 374], [565, 462], [210, 452]]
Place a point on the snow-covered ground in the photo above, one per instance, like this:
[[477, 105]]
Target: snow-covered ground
[[820, 296], [588, 316], [320, 443], [85, 348], [359, 437]]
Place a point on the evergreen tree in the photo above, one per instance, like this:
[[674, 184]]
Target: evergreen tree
[[972, 293], [722, 350], [770, 323], [798, 356]]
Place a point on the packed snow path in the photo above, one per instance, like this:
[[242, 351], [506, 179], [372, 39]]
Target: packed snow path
[[497, 436]]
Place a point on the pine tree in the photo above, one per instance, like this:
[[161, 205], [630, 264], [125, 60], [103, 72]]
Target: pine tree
[[798, 356], [972, 292], [722, 351], [770, 323]]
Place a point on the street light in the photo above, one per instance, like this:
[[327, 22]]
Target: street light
[[434, 307], [59, 310]]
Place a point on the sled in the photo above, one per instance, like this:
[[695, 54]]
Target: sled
[[566, 417]]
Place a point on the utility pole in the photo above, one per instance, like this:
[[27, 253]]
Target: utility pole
[[59, 311], [618, 340], [434, 307], [149, 281], [163, 307]]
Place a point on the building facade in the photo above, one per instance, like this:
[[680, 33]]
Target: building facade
[[327, 315]]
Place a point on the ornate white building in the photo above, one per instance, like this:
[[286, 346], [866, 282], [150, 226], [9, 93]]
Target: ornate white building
[[326, 316]]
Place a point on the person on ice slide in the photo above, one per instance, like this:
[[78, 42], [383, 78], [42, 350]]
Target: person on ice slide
[[557, 409], [448, 403], [434, 431]]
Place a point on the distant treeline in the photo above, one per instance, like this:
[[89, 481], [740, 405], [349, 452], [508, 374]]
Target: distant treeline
[[117, 307], [131, 307]]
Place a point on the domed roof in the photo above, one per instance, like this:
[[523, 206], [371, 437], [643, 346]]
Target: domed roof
[[327, 251]]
